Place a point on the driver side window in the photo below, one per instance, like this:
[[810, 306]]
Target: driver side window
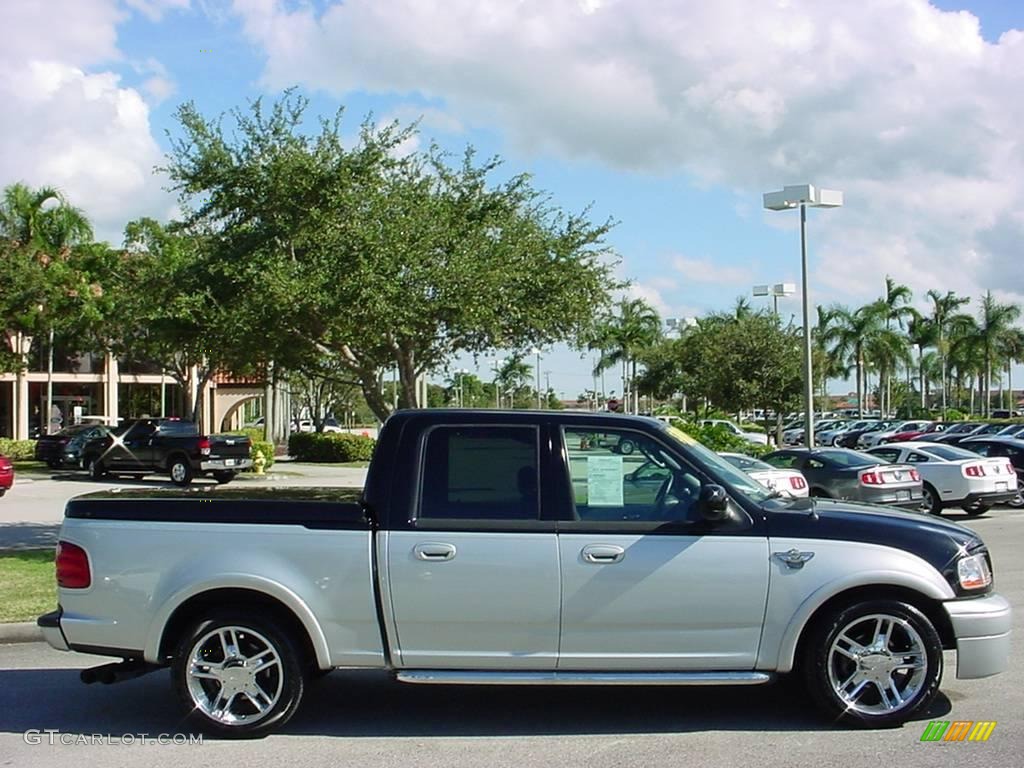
[[621, 476]]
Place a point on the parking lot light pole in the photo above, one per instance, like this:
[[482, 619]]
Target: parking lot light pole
[[536, 351], [802, 196]]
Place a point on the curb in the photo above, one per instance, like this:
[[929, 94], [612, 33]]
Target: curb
[[20, 632]]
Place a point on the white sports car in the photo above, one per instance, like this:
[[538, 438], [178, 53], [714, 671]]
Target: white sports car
[[786, 481], [953, 476]]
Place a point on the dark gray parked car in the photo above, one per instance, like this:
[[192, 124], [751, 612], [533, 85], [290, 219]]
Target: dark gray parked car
[[837, 473]]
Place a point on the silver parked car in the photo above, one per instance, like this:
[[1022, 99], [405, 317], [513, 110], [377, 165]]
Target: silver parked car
[[838, 473]]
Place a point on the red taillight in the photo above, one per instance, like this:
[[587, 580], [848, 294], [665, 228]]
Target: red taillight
[[797, 483], [974, 470], [204, 446], [1009, 468], [871, 478], [915, 476], [72, 566]]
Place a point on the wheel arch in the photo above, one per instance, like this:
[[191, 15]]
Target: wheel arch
[[283, 606], [930, 605], [173, 455]]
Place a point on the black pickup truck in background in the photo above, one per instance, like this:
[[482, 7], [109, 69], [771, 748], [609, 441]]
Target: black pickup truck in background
[[171, 446]]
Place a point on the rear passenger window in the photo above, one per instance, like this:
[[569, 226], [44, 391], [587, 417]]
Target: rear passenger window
[[480, 473]]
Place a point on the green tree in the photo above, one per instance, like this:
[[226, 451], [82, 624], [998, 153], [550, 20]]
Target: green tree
[[384, 258], [847, 338], [48, 266], [622, 337], [177, 310], [1011, 350], [945, 306], [994, 322], [922, 333]]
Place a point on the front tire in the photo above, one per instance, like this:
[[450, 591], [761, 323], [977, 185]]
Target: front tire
[[237, 675], [180, 471], [95, 468], [875, 663], [977, 509]]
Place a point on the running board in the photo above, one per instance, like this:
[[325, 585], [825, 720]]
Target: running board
[[479, 677]]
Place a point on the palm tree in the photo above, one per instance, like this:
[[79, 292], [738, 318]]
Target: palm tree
[[1011, 350], [513, 375], [994, 321], [826, 364], [922, 333], [41, 219], [848, 335], [944, 307], [965, 357], [894, 308], [620, 339]]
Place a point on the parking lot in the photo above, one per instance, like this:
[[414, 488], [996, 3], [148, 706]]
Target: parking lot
[[366, 719]]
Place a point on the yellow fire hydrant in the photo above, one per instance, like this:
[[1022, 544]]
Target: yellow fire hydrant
[[259, 462]]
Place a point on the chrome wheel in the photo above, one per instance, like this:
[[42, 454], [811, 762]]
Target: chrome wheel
[[877, 664], [235, 676], [178, 472]]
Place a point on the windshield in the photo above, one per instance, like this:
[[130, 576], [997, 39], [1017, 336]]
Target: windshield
[[746, 463], [738, 479], [956, 429], [849, 458]]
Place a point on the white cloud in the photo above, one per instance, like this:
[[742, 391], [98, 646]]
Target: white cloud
[[708, 271], [78, 128], [155, 9], [904, 107]]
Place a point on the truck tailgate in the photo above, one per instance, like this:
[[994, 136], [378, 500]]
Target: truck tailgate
[[150, 551]]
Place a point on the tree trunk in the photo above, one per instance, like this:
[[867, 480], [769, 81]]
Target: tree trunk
[[920, 377], [407, 395], [860, 385]]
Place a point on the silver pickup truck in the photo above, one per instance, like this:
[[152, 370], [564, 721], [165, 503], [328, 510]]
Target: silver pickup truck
[[524, 548]]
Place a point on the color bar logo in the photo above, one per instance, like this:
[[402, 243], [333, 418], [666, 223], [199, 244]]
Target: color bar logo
[[958, 730]]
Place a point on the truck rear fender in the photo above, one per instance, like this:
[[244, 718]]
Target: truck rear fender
[[197, 593]]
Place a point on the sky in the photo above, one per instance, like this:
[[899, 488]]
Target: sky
[[670, 117]]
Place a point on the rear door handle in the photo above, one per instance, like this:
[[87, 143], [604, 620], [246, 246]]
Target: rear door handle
[[603, 554], [434, 551]]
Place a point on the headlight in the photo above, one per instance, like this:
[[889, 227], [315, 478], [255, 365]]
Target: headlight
[[974, 572]]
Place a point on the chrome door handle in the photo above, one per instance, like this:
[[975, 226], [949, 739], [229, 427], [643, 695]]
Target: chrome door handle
[[434, 551], [603, 554]]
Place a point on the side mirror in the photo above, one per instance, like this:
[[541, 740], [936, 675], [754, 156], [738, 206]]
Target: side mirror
[[714, 503]]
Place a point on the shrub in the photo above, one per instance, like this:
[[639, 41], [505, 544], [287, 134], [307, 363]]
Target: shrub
[[255, 435], [267, 449], [952, 414], [720, 439], [18, 450], [330, 446]]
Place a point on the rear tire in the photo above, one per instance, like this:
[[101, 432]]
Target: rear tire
[[930, 501], [874, 663], [254, 660], [180, 471]]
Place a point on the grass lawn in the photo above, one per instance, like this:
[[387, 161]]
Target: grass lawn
[[27, 585]]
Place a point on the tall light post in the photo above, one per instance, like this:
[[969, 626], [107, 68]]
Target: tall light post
[[777, 291], [536, 351], [497, 389], [801, 196], [462, 387]]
